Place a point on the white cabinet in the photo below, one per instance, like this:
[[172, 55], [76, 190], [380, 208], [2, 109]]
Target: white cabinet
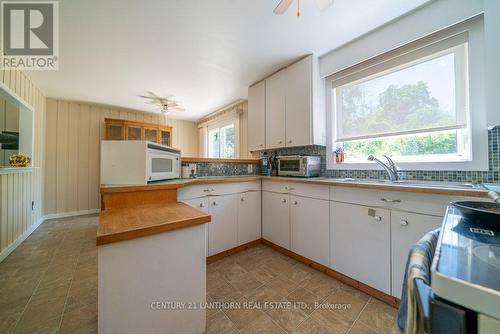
[[249, 217], [275, 110], [406, 230], [294, 110], [223, 230], [360, 244], [309, 228], [298, 127], [276, 218], [200, 204], [257, 116]]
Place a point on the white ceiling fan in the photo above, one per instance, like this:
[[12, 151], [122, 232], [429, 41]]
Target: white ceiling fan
[[166, 105], [283, 6]]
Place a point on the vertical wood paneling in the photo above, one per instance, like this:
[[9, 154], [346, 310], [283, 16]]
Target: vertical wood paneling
[[61, 150]]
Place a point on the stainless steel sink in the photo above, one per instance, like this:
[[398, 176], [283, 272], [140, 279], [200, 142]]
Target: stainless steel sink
[[410, 183]]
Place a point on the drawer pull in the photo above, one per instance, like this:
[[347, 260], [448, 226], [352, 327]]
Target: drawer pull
[[377, 218], [289, 141], [403, 222], [202, 205], [291, 188], [283, 200], [206, 190], [388, 200]]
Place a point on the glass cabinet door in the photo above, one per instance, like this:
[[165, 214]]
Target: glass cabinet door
[[134, 133], [166, 138], [114, 132], [151, 134]]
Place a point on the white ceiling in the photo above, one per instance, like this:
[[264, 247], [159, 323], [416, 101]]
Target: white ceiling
[[204, 52]]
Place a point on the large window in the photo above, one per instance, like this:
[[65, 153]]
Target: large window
[[222, 140]]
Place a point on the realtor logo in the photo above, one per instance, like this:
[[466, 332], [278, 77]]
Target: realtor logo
[[30, 35]]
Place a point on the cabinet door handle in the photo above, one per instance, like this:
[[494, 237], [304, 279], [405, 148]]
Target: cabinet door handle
[[243, 199], [403, 222], [261, 145], [289, 141], [206, 190], [377, 218], [283, 200], [280, 142], [214, 203], [212, 189], [295, 202], [388, 200], [291, 188], [202, 205]]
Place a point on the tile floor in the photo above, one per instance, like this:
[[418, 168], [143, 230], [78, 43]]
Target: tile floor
[[49, 285]]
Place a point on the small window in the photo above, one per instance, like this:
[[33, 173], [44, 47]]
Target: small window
[[222, 140]]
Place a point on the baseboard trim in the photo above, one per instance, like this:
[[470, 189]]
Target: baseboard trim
[[70, 214], [18, 241], [232, 251], [388, 299]]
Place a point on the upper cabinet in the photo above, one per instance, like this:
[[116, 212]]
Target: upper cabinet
[[119, 129], [287, 109], [276, 109], [257, 116]]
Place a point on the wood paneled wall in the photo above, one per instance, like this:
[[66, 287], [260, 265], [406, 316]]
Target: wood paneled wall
[[20, 188], [74, 131]]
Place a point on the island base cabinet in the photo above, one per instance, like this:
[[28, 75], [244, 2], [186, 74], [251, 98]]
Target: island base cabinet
[[223, 230], [406, 230], [360, 244], [249, 217], [276, 218], [310, 228]]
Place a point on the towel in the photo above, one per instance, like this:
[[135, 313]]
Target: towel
[[418, 266]]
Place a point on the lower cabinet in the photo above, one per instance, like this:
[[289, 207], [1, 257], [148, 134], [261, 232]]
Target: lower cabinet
[[223, 229], [201, 204], [361, 244], [249, 217], [276, 218], [310, 228], [406, 230]]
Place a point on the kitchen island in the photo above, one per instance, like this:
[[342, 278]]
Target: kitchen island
[[151, 264]]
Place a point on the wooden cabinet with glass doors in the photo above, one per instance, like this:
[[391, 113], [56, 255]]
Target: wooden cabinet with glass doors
[[119, 129]]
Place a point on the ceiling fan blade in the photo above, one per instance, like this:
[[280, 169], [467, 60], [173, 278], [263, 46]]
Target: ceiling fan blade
[[282, 7], [324, 4]]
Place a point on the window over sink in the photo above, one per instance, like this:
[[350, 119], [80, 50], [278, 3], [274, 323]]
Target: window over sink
[[414, 103], [222, 140]]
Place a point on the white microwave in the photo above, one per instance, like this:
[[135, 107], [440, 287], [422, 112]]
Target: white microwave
[[138, 162]]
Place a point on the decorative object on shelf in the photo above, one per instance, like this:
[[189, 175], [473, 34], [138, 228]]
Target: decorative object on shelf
[[166, 105], [339, 155], [283, 6], [119, 129], [19, 160]]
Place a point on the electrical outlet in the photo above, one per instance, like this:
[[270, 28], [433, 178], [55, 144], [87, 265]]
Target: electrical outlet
[[250, 169]]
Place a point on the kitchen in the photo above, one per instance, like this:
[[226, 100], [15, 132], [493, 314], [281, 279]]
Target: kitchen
[[282, 197]]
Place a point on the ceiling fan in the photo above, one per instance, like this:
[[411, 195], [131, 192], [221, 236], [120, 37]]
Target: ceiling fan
[[283, 6], [166, 105]]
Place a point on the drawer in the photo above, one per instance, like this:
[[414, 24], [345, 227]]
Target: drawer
[[298, 189], [430, 204], [217, 189]]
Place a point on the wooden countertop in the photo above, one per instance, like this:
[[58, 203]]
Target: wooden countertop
[[177, 183], [130, 223]]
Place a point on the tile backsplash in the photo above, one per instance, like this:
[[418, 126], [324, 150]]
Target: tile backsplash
[[490, 176], [205, 169]]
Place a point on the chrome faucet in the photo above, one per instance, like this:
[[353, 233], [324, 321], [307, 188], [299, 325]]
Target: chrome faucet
[[391, 168]]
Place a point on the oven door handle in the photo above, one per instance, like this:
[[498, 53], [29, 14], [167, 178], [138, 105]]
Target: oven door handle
[[423, 295]]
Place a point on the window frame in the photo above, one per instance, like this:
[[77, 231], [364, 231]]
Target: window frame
[[477, 123], [219, 125]]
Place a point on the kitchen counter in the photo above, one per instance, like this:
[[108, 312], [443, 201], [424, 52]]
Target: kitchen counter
[[129, 223], [439, 188]]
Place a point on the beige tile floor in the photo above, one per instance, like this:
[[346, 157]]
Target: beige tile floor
[[49, 285]]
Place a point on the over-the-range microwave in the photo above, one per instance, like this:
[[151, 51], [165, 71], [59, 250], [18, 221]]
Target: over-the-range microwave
[[138, 162]]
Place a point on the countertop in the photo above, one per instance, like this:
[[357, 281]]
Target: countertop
[[130, 223], [439, 188]]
